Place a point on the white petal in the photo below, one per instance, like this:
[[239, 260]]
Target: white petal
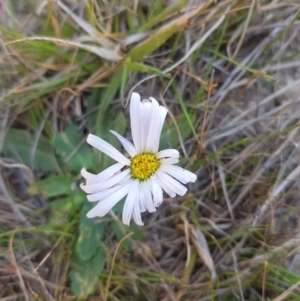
[[171, 183], [156, 191], [102, 195], [142, 201], [169, 161], [87, 175], [192, 176], [160, 113], [106, 173], [166, 188], [107, 149], [163, 113], [103, 207], [173, 153], [153, 127], [129, 203], [162, 116], [136, 213], [93, 188], [135, 120], [147, 186], [176, 172], [128, 146], [146, 116]]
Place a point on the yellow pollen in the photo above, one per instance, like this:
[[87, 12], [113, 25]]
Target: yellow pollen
[[144, 165]]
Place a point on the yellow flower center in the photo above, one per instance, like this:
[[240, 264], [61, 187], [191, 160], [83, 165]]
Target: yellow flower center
[[144, 165]]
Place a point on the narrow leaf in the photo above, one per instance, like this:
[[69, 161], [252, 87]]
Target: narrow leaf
[[53, 186], [91, 233], [71, 146], [144, 68], [85, 273], [20, 145], [169, 136], [104, 53]]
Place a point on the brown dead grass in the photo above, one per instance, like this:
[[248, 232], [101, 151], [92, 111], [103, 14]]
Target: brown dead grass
[[240, 218]]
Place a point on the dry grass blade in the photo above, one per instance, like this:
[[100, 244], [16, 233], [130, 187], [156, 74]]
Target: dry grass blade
[[210, 88], [112, 265], [198, 43], [200, 243], [14, 263], [104, 53], [287, 292], [276, 191], [195, 46], [92, 32], [234, 77]]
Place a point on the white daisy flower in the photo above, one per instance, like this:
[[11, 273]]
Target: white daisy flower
[[144, 175]]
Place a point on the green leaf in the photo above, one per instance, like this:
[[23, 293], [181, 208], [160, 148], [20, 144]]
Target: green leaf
[[118, 230], [236, 63], [144, 68], [20, 145], [93, 101], [37, 90], [85, 273], [110, 122], [110, 92], [53, 186], [185, 112], [72, 147], [69, 204], [156, 39], [169, 137], [91, 233], [123, 84], [138, 231], [160, 13], [152, 43], [118, 124]]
